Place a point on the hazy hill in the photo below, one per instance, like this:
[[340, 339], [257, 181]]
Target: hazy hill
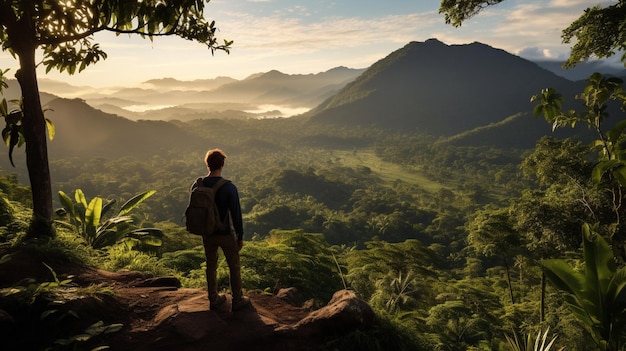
[[83, 130], [278, 88], [445, 90], [198, 84], [270, 94], [583, 70]]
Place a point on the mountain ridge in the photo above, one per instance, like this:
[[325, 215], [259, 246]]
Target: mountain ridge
[[442, 90]]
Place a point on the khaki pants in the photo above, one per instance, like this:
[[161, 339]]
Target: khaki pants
[[229, 248]]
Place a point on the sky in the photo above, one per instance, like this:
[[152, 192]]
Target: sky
[[312, 36]]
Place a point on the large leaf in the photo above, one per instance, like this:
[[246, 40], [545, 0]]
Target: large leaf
[[80, 198], [67, 203], [106, 238], [51, 129], [599, 262], [614, 133], [134, 202], [602, 167], [94, 212], [597, 296]]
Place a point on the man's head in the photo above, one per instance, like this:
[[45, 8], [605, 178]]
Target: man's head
[[214, 159]]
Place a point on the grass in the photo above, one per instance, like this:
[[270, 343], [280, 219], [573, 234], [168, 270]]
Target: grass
[[386, 170]]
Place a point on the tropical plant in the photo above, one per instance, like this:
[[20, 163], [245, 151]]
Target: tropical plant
[[531, 343], [88, 221], [13, 132], [596, 296], [491, 233]]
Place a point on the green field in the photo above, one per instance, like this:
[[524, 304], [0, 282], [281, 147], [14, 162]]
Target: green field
[[386, 170]]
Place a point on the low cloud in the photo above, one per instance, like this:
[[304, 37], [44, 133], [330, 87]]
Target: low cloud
[[538, 54]]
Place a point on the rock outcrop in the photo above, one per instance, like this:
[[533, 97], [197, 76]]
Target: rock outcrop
[[154, 313]]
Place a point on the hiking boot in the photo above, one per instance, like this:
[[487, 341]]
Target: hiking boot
[[218, 301], [241, 303]]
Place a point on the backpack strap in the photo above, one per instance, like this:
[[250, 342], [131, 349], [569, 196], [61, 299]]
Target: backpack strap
[[200, 182], [219, 184], [197, 184], [217, 187]]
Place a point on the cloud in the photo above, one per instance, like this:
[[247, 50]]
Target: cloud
[[294, 34], [535, 53]]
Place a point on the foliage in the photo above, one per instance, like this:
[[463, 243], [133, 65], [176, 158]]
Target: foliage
[[391, 276], [52, 325], [596, 296], [491, 233], [536, 343], [610, 170], [292, 259], [596, 97], [599, 32], [383, 335], [13, 133], [121, 256], [88, 220]]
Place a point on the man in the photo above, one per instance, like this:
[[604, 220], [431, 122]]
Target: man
[[230, 240]]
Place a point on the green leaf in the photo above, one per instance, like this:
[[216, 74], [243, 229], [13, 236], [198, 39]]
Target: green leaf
[[107, 207], [602, 167], [134, 202], [94, 211], [4, 108], [563, 276], [620, 175], [51, 129], [5, 258], [80, 198], [67, 203]]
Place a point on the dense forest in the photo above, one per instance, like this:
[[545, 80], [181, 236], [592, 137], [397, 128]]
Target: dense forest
[[443, 241]]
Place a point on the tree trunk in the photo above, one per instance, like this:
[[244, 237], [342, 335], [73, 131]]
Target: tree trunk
[[34, 128], [508, 279], [542, 316], [24, 43]]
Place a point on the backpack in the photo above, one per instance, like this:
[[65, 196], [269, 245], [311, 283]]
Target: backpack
[[201, 215]]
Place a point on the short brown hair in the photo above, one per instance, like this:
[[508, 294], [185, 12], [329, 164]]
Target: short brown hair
[[214, 159]]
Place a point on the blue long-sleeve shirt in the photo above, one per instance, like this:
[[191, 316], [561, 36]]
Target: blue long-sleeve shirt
[[227, 200]]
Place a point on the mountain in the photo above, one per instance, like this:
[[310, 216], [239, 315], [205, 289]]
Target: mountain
[[269, 94], [445, 90], [198, 84], [278, 88], [84, 130]]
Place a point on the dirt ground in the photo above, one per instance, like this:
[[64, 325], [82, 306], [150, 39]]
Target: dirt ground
[[155, 314]]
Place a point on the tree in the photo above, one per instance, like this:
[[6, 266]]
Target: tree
[[610, 170], [599, 31], [64, 32], [491, 233]]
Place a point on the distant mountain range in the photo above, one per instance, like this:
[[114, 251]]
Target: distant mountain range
[[270, 94], [470, 94]]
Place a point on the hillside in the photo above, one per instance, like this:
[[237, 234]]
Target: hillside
[[444, 90], [83, 130]]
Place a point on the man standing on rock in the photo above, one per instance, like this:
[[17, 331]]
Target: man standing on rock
[[230, 240]]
